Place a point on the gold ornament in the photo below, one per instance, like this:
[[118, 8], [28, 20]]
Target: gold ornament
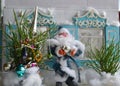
[[6, 66], [38, 57]]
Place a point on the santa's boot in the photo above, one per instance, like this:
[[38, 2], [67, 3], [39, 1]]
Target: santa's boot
[[70, 82], [58, 83]]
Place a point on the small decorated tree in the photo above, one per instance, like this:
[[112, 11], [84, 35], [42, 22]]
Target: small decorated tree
[[25, 48], [22, 43]]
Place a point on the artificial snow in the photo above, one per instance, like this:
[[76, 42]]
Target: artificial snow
[[31, 78], [115, 23], [10, 79], [51, 11], [94, 79], [91, 78], [89, 9], [103, 14]]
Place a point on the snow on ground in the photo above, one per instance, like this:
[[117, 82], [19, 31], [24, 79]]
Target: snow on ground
[[89, 78], [94, 79]]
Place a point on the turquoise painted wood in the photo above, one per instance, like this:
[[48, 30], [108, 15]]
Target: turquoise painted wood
[[112, 33], [43, 20], [90, 20]]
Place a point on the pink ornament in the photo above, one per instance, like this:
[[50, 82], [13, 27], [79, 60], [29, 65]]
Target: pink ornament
[[32, 46], [33, 64]]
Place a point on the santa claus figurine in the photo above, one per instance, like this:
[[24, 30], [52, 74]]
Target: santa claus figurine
[[63, 46]]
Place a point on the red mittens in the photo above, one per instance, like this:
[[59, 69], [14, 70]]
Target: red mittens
[[61, 52], [64, 51], [72, 52]]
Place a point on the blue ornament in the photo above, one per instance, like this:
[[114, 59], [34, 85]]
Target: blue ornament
[[20, 70], [24, 52]]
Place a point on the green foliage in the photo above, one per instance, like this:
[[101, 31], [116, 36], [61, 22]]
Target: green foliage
[[106, 59], [22, 35]]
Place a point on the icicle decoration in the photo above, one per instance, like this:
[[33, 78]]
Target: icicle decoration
[[35, 21]]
